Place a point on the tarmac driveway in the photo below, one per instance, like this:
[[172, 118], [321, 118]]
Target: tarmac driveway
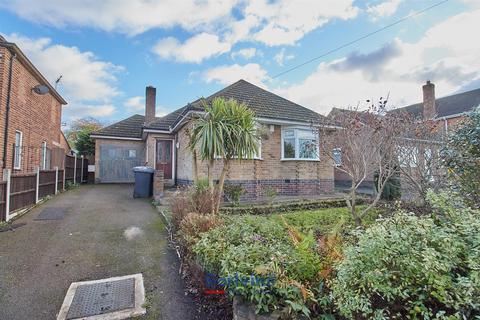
[[105, 233]]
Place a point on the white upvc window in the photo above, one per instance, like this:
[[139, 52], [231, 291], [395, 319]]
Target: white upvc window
[[17, 157], [337, 156], [407, 156], [43, 160], [299, 143]]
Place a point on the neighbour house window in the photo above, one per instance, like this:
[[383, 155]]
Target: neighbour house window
[[407, 156], [337, 156], [299, 144], [43, 162], [17, 160]]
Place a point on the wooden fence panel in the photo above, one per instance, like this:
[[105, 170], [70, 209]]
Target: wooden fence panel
[[69, 168], [60, 180], [46, 183], [85, 171], [3, 191], [22, 191], [78, 172]]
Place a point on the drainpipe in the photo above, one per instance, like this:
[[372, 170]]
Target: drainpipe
[[7, 111], [176, 157]]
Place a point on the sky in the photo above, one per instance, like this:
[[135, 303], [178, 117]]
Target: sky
[[108, 51]]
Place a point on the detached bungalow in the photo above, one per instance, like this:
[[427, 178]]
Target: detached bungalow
[[290, 158]]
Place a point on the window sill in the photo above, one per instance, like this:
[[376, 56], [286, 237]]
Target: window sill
[[311, 160]]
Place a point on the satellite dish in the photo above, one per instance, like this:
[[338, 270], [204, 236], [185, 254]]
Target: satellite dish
[[41, 89]]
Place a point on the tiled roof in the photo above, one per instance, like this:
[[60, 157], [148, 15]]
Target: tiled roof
[[165, 122], [127, 128], [449, 105], [265, 104]]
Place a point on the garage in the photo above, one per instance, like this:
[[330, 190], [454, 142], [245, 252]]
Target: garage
[[115, 162]]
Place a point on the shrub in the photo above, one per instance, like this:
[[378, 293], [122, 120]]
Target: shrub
[[191, 199], [180, 207], [462, 157], [414, 267], [270, 193], [233, 192], [193, 225]]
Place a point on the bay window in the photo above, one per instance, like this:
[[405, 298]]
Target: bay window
[[299, 144]]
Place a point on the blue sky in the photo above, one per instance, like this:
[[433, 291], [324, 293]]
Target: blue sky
[[108, 51]]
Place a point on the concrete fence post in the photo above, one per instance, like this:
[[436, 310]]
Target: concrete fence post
[[37, 184], [75, 170], [81, 172], [63, 184], [56, 180], [7, 176]]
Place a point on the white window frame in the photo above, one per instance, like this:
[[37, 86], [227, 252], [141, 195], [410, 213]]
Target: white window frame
[[43, 157], [296, 129], [20, 156], [333, 156]]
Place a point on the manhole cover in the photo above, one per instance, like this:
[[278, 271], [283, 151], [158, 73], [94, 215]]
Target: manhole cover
[[112, 298], [103, 297], [52, 213]]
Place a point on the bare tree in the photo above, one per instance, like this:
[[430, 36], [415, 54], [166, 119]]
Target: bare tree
[[419, 159], [368, 144]]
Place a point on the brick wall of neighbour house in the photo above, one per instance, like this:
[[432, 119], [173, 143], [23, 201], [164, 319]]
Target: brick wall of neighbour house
[[287, 177], [151, 149], [38, 117], [122, 143]]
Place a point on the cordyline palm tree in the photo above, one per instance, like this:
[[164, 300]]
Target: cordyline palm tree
[[227, 131]]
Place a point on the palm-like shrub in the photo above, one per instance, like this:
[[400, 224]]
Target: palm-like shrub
[[227, 130]]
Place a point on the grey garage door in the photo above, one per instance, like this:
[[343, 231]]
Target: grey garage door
[[116, 162]]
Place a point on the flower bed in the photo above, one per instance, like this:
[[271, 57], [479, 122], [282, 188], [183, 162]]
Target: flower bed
[[317, 264], [259, 209]]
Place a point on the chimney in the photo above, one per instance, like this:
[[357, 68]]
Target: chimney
[[150, 95], [429, 109]]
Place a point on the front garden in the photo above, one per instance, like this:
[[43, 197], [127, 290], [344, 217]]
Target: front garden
[[322, 261]]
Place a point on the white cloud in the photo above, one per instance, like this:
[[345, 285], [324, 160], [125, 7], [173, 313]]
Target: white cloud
[[442, 56], [88, 83], [247, 53], [194, 49], [130, 17], [84, 76], [228, 74], [282, 22], [135, 104], [384, 9], [79, 110], [281, 57], [285, 22]]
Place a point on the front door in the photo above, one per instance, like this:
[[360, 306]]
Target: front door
[[164, 157]]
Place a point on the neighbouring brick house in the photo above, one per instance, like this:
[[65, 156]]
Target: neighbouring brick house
[[447, 111], [30, 115], [286, 161]]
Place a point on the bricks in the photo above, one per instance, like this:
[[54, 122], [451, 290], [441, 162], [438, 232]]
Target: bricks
[[158, 185], [38, 117], [287, 177]]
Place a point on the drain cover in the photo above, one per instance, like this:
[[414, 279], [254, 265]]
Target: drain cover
[[104, 297], [52, 213], [113, 298]]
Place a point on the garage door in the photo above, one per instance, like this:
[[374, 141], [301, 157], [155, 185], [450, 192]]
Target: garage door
[[116, 162]]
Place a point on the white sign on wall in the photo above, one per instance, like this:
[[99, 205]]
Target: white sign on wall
[[91, 168]]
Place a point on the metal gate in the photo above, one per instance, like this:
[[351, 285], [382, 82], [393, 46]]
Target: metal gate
[[116, 162]]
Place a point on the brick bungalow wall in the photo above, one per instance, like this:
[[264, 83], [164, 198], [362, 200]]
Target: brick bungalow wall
[[287, 177], [38, 117]]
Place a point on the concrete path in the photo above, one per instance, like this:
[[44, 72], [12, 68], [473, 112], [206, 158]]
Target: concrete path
[[105, 233]]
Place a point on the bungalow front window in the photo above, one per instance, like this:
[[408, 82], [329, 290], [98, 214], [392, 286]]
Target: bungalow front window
[[299, 144]]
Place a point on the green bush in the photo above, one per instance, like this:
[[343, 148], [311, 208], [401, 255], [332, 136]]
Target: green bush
[[297, 249], [233, 192], [462, 157], [414, 267]]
